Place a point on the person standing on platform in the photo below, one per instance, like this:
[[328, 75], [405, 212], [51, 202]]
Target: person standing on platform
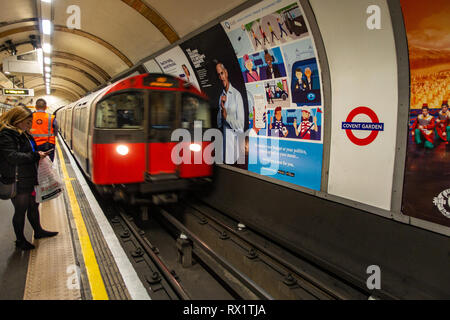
[[44, 129], [18, 154], [423, 127]]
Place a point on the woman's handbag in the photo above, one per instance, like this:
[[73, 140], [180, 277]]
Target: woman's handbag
[[8, 191]]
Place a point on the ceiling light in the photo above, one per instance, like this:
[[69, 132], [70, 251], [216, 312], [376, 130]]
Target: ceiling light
[[47, 1], [46, 27], [47, 60], [47, 75], [47, 47], [48, 69]]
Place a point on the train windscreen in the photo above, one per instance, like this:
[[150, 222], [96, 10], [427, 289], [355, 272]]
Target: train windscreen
[[162, 110], [122, 111], [195, 109]]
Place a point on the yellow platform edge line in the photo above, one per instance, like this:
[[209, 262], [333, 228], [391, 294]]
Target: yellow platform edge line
[[96, 283]]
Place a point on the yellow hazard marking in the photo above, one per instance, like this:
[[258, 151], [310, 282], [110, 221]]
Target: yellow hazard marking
[[96, 283]]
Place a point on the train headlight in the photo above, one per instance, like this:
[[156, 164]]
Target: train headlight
[[122, 150], [195, 147]]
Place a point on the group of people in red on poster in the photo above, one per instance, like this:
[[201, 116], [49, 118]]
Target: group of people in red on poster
[[425, 125]]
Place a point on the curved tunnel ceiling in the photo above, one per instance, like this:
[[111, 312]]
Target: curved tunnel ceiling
[[114, 36]]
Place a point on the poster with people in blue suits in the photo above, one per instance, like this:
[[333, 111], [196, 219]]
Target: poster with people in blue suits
[[278, 63]]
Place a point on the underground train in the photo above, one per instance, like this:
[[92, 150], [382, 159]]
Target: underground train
[[121, 137]]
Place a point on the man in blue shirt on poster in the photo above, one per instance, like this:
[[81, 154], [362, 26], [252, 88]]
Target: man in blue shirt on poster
[[230, 118]]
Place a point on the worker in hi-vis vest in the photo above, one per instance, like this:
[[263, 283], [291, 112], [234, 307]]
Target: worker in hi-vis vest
[[44, 128]]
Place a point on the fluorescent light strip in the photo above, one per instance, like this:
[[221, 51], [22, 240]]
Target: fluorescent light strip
[[46, 27], [47, 47], [47, 60]]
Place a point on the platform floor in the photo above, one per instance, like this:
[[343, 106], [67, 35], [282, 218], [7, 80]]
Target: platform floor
[[13, 262], [84, 261], [52, 267]]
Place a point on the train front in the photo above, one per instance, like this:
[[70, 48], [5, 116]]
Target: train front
[[133, 155]]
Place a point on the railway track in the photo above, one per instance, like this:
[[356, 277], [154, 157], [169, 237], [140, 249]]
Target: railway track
[[161, 283], [159, 268], [191, 251], [281, 274]]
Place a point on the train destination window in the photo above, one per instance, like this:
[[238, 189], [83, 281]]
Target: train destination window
[[162, 108], [123, 111], [195, 109]]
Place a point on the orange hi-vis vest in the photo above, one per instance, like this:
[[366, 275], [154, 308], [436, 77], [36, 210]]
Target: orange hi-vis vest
[[42, 130]]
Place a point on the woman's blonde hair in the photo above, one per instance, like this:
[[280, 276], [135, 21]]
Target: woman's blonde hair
[[13, 117]]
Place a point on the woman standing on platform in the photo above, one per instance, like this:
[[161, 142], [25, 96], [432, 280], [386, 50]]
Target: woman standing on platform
[[17, 148]]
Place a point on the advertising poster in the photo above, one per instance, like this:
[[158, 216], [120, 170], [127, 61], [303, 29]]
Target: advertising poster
[[220, 77], [152, 66], [175, 63], [278, 65], [427, 177]]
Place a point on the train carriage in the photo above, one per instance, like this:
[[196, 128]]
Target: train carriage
[[121, 136]]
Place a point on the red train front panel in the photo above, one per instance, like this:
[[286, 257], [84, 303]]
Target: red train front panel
[[124, 163]]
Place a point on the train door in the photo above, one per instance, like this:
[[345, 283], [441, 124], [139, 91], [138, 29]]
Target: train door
[[69, 126], [163, 111], [196, 117]]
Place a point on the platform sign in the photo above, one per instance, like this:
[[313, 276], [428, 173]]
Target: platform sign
[[18, 92], [374, 127], [364, 99]]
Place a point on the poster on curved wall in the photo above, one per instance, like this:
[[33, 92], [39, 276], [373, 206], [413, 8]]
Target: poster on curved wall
[[217, 70], [426, 190], [175, 63], [278, 63], [152, 66]]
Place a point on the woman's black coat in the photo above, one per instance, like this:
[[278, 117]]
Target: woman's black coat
[[15, 149]]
